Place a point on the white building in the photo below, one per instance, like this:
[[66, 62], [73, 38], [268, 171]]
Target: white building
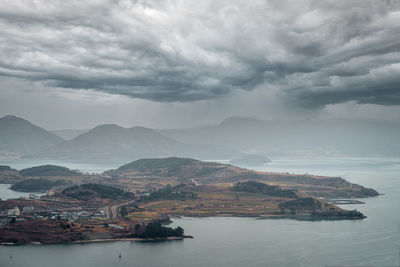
[[28, 209], [14, 212]]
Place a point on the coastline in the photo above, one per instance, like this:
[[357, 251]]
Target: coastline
[[131, 239], [302, 217]]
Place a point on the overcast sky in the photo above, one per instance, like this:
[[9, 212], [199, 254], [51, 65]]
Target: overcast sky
[[76, 64]]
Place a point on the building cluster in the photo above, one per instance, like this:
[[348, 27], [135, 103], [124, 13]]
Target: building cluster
[[18, 214]]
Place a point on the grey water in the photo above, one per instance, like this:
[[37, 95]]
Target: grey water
[[226, 241], [7, 193]]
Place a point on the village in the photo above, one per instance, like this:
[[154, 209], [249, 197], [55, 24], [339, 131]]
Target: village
[[33, 208]]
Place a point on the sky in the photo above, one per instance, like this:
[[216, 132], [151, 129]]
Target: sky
[[167, 64]]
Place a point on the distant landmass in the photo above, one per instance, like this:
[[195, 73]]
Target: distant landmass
[[21, 137], [330, 137], [48, 170], [251, 160], [37, 185], [36, 177]]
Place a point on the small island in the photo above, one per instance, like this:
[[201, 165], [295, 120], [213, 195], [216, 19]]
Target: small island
[[136, 201], [37, 185]]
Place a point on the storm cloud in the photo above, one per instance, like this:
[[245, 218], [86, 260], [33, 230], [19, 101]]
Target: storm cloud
[[314, 53]]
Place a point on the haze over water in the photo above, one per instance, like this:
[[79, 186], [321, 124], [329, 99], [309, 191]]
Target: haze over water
[[374, 241]]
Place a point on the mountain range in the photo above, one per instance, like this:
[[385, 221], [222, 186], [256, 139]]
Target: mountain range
[[331, 137], [108, 142], [232, 138]]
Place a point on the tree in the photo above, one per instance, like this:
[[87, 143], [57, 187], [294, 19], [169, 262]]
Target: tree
[[179, 231]]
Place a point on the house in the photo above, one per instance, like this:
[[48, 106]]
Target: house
[[28, 209], [14, 212]]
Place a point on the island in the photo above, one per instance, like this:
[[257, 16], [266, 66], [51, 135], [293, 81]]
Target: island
[[137, 200]]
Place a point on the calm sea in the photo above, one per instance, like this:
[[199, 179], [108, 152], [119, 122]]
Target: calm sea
[[374, 241]]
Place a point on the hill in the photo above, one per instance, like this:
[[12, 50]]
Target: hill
[[9, 175], [22, 137], [48, 170], [36, 185], [185, 170], [89, 191], [171, 163], [173, 167]]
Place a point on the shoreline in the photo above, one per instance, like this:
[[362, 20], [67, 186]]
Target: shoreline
[[131, 239], [302, 217]]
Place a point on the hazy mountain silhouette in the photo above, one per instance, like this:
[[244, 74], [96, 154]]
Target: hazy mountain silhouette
[[111, 142], [309, 137], [22, 137], [232, 138]]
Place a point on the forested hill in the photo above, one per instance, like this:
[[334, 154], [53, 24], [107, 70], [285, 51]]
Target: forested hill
[[90, 191], [48, 170], [170, 167]]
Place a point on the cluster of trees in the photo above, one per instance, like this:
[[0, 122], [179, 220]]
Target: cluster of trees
[[36, 185], [129, 208], [352, 213], [48, 170], [156, 230], [171, 165], [87, 191], [345, 214], [177, 192], [261, 188], [313, 205], [301, 203]]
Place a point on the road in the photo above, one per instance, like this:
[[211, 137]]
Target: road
[[112, 210]]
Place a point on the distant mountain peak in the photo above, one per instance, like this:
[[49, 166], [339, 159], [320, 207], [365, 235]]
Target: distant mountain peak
[[113, 142], [13, 118], [10, 117], [23, 137]]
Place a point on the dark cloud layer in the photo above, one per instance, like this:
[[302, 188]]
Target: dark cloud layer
[[313, 52]]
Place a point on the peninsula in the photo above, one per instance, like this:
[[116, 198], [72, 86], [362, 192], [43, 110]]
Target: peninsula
[[135, 201]]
